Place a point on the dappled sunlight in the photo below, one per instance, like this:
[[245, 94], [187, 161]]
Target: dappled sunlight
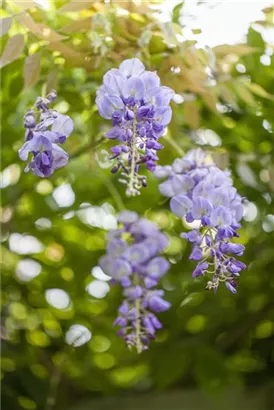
[[27, 269], [57, 298], [98, 289], [64, 195], [43, 223], [100, 217], [24, 244], [10, 175], [78, 335], [268, 224], [250, 211], [99, 274]]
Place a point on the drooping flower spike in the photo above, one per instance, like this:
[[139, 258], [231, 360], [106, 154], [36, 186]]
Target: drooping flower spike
[[45, 129], [133, 260], [200, 191], [138, 107]]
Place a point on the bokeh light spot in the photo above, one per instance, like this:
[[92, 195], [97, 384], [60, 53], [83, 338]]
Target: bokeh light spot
[[98, 289], [28, 269], [64, 195], [99, 274], [78, 335], [57, 298], [24, 244]]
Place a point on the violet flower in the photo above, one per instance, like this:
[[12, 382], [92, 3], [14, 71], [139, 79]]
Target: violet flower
[[133, 260], [200, 191], [45, 129], [138, 107]]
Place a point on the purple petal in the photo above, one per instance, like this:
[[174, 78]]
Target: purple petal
[[201, 207], [133, 292], [120, 268], [230, 287], [124, 308], [163, 115], [162, 172], [63, 124], [60, 157], [150, 283], [235, 248], [40, 143], [107, 104], [180, 205], [154, 320], [24, 151], [196, 254], [166, 188], [136, 254], [127, 217], [221, 216], [157, 267], [157, 304], [182, 184], [116, 247], [150, 80], [116, 133], [131, 67], [134, 87]]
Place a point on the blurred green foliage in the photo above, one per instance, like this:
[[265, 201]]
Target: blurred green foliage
[[53, 230]]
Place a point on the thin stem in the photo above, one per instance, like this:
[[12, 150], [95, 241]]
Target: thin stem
[[174, 145], [131, 190], [54, 382], [138, 326], [115, 194], [92, 144], [138, 317]]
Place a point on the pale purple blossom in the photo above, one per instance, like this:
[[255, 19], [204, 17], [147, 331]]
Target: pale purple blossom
[[138, 107], [45, 130], [133, 261], [201, 192]]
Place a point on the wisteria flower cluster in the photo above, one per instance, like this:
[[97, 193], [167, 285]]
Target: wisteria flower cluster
[[138, 107], [133, 260], [200, 191], [45, 129]]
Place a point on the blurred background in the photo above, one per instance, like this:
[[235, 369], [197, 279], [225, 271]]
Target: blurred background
[[215, 351]]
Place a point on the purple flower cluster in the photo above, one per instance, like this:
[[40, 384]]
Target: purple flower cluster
[[138, 107], [132, 260], [45, 129], [201, 192]]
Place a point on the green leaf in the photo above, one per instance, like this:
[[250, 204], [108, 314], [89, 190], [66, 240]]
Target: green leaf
[[176, 14], [145, 38], [5, 25], [24, 5], [255, 39], [258, 90], [74, 6], [243, 92], [32, 70], [78, 26], [237, 49], [46, 33], [25, 19], [191, 114], [210, 369], [196, 31], [42, 31], [13, 49]]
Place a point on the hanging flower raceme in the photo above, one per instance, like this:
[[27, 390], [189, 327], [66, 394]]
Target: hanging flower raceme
[[45, 129], [138, 106], [133, 260], [200, 191]]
